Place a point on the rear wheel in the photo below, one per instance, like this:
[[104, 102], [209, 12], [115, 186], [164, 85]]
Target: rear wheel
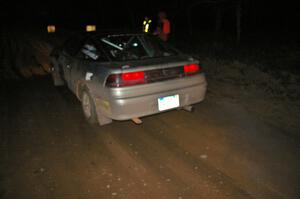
[[88, 107]]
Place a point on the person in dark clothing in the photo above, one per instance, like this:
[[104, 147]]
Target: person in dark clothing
[[163, 29]]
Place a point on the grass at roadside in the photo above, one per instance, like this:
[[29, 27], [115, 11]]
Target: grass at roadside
[[262, 76]]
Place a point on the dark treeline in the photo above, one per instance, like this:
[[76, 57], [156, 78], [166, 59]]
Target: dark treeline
[[202, 22], [186, 16]]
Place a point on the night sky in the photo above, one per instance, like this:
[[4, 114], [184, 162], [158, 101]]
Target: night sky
[[256, 15]]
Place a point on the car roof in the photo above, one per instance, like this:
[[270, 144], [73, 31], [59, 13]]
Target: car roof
[[115, 34], [106, 33]]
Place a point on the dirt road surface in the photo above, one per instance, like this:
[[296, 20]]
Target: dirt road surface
[[219, 151]]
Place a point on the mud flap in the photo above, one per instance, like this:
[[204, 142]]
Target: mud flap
[[102, 120]]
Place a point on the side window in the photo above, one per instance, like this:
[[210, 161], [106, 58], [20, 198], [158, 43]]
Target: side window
[[89, 51]]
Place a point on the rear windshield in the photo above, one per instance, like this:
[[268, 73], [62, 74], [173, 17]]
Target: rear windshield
[[134, 47]]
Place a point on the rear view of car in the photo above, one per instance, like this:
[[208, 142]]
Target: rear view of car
[[140, 76], [147, 91]]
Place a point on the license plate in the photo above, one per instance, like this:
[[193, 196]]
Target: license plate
[[168, 102]]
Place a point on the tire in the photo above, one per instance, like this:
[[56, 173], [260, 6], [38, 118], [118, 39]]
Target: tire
[[88, 107]]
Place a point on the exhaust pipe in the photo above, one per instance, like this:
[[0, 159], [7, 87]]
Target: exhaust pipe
[[137, 120]]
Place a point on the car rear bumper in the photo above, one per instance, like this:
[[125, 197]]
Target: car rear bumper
[[128, 103]]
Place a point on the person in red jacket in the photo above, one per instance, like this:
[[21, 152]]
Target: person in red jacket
[[164, 28]]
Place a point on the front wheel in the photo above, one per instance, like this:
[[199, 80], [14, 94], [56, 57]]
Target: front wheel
[[88, 108]]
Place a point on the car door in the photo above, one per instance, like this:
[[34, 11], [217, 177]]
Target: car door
[[65, 60], [77, 71], [69, 61], [87, 56], [70, 70]]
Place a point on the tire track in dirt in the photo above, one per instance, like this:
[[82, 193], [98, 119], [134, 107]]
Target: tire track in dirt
[[170, 162], [54, 153], [228, 151]]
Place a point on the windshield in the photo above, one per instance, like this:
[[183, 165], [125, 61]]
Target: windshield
[[135, 47]]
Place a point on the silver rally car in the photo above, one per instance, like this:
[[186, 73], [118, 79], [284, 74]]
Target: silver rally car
[[127, 76]]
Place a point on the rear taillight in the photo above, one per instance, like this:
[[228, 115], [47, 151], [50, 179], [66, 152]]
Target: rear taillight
[[150, 76], [126, 79], [191, 68], [133, 76]]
